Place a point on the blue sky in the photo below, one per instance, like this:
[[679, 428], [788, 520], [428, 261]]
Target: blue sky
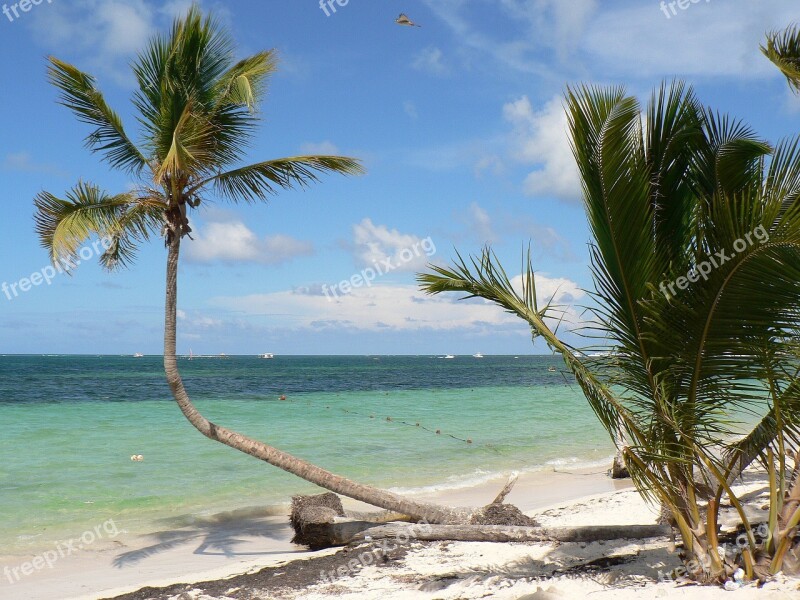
[[459, 123]]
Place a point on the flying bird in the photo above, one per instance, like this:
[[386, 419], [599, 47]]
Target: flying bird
[[404, 20]]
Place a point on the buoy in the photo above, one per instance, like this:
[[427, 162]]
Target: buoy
[[438, 431], [469, 440], [283, 397]]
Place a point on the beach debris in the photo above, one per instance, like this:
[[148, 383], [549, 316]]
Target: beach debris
[[738, 575], [731, 586], [404, 20], [503, 514], [137, 458]]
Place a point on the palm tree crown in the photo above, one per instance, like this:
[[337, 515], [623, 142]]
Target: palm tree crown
[[196, 108], [678, 193]]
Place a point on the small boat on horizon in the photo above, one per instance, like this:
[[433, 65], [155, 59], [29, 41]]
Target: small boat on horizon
[[449, 356], [266, 355], [551, 368], [138, 355], [478, 355]]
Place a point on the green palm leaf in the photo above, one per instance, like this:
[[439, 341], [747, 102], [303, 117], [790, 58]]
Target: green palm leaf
[[64, 224], [261, 180], [79, 94], [783, 49]]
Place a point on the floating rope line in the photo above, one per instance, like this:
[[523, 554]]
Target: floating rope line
[[418, 425], [439, 432], [415, 425], [491, 447]]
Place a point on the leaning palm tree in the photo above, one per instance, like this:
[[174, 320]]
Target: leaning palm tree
[[196, 107], [696, 268]]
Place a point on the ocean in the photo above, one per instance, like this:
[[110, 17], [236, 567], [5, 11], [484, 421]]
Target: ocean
[[70, 425]]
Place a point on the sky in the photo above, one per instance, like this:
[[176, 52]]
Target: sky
[[459, 123]]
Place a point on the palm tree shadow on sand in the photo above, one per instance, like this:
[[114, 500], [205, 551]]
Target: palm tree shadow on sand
[[219, 534]]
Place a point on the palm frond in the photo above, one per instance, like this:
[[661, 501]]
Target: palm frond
[[605, 129], [81, 96], [673, 134], [244, 83], [261, 180], [63, 224], [485, 278], [192, 149], [783, 49], [188, 81]]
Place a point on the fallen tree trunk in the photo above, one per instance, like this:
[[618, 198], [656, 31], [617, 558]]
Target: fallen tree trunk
[[319, 523], [502, 533]]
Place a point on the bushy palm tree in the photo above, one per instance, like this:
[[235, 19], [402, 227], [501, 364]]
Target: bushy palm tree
[[196, 107], [696, 267]]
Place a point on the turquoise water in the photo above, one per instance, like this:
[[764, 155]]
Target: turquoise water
[[71, 424]]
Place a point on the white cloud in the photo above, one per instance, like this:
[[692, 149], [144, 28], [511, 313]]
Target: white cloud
[[480, 224], [628, 38], [489, 163], [482, 228], [395, 307], [176, 8], [792, 104], [377, 244], [23, 162], [124, 28], [430, 60], [98, 36], [326, 148], [541, 139], [233, 241]]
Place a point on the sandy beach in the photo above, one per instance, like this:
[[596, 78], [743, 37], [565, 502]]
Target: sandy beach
[[248, 555], [246, 540]]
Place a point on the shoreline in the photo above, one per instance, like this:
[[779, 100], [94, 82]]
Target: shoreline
[[230, 543]]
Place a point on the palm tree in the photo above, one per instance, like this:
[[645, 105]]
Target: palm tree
[[196, 107], [682, 194]]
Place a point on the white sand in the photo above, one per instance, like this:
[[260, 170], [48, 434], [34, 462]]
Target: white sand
[[216, 549]]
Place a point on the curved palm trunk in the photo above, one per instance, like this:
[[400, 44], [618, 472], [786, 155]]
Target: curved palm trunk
[[296, 466]]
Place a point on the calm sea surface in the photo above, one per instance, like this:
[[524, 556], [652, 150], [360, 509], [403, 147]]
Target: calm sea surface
[[71, 423]]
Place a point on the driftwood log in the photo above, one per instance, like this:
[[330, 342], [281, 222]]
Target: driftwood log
[[320, 522], [501, 533]]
